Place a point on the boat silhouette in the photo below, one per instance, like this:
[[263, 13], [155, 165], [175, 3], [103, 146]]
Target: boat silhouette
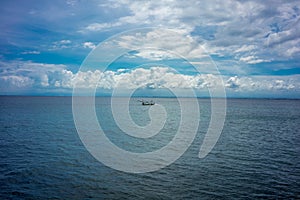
[[147, 103]]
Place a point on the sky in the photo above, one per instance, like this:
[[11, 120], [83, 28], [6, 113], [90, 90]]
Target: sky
[[254, 44]]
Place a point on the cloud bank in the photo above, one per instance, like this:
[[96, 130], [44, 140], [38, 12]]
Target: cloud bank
[[49, 76]]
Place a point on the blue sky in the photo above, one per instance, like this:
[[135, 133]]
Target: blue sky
[[255, 45]]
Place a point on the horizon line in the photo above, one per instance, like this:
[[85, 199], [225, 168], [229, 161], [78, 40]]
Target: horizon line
[[109, 96]]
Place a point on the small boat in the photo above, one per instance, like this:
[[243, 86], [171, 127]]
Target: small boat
[[147, 103]]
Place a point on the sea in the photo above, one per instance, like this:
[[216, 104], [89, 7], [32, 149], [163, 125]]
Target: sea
[[256, 156]]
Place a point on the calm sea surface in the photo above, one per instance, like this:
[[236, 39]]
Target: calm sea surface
[[42, 157]]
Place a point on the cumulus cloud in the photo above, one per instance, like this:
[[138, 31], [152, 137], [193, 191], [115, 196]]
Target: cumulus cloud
[[62, 44], [55, 77], [22, 74], [264, 83], [162, 77], [16, 81], [152, 78], [65, 42], [89, 45]]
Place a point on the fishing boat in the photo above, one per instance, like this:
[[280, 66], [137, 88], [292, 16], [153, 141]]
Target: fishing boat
[[147, 103]]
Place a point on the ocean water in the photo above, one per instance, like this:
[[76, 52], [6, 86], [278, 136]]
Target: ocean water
[[256, 156]]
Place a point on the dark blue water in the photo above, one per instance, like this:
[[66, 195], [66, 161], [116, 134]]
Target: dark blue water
[[42, 157]]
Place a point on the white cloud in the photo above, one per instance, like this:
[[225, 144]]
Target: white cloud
[[16, 81], [282, 85], [62, 44], [162, 44], [232, 82], [89, 45], [30, 52], [245, 48], [162, 77], [100, 26], [263, 83], [36, 75], [154, 54], [263, 28], [26, 73], [156, 13], [65, 42], [253, 59], [292, 51], [44, 80], [152, 78]]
